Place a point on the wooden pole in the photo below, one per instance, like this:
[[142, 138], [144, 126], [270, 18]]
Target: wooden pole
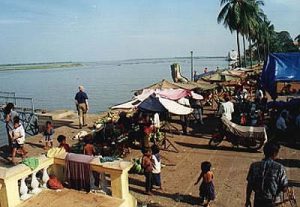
[[192, 67]]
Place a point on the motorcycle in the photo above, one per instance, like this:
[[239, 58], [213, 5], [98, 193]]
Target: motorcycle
[[247, 136]]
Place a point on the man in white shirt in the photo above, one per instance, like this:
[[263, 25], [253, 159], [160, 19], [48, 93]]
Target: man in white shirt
[[226, 108]]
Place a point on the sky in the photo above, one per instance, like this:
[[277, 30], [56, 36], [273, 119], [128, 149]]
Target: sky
[[97, 30]]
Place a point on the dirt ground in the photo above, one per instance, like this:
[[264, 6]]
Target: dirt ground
[[180, 171], [229, 165]]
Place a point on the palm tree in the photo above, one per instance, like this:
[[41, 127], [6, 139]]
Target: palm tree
[[297, 39], [252, 26], [239, 15], [229, 15]]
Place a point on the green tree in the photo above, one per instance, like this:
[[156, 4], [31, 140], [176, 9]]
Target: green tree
[[240, 16], [283, 42], [229, 15], [298, 39]]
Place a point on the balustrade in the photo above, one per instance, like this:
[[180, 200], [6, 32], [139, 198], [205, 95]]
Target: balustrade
[[20, 182]]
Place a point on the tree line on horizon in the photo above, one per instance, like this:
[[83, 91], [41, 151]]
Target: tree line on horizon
[[248, 20]]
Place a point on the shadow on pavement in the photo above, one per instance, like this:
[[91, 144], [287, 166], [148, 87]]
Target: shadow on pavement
[[293, 163]]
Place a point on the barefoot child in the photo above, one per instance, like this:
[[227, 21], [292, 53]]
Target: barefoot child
[[147, 164], [207, 189], [18, 139], [48, 135]]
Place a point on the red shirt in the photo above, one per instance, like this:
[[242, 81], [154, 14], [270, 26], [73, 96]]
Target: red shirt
[[66, 146]]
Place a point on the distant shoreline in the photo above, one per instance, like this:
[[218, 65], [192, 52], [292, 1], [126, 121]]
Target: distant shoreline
[[39, 66], [58, 65]]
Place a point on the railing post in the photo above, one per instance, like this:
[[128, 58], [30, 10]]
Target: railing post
[[9, 193], [24, 190], [120, 188], [35, 184], [45, 177]]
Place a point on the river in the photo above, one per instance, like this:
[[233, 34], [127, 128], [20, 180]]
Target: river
[[107, 83]]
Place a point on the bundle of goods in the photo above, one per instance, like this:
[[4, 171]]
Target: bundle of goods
[[156, 137], [137, 166], [108, 159]]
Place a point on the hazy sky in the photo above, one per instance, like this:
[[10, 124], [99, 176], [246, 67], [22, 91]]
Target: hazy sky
[[93, 30]]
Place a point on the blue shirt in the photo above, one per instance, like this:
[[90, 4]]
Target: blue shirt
[[267, 178], [81, 97]]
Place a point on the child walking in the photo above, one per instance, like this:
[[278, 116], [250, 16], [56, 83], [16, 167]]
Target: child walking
[[207, 188], [48, 135], [18, 139]]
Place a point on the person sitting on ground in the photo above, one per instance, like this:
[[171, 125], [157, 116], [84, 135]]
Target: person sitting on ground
[[207, 188], [18, 139], [48, 135], [62, 140], [156, 180], [147, 164], [267, 178]]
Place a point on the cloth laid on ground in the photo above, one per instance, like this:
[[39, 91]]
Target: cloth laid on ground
[[31, 162], [244, 131], [78, 171]]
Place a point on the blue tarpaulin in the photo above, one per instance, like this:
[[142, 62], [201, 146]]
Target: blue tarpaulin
[[280, 67], [152, 104]]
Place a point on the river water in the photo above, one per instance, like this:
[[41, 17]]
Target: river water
[[107, 83]]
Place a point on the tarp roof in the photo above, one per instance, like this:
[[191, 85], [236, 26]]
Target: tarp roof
[[164, 84], [159, 104], [280, 67], [220, 77], [152, 104]]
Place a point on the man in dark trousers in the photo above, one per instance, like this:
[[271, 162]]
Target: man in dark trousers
[[81, 101], [267, 178]]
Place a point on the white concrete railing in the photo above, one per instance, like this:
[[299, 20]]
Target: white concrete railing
[[14, 188]]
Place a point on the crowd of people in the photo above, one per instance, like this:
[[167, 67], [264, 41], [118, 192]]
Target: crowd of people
[[266, 178]]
